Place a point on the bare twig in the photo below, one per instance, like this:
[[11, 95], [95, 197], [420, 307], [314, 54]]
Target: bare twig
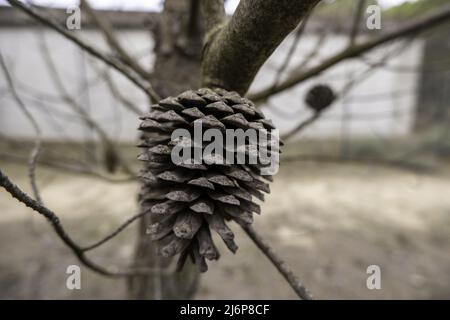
[[55, 222], [116, 92], [108, 32], [84, 170], [58, 82], [298, 35], [115, 232], [142, 84], [34, 155], [343, 93], [301, 126], [312, 53], [279, 263], [354, 51]]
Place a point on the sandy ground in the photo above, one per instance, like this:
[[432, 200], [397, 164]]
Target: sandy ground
[[330, 222]]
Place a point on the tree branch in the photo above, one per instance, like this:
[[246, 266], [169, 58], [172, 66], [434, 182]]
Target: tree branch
[[236, 51], [302, 125], [108, 33], [281, 265], [354, 51], [115, 232], [213, 12], [128, 104], [311, 54], [53, 219], [34, 154], [76, 107], [294, 45], [346, 89], [143, 85]]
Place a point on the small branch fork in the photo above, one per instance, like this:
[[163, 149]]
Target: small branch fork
[[108, 33], [34, 155], [144, 85], [80, 251], [347, 88], [55, 222], [37, 205], [77, 108], [235, 51], [354, 50]]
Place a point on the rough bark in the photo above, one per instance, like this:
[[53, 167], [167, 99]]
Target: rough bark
[[178, 37], [236, 50]]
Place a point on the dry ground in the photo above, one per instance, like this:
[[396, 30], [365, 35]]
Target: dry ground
[[329, 221]]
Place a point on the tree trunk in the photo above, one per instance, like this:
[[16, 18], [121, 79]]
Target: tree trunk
[[178, 44]]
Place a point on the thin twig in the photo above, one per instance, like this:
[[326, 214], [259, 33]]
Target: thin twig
[[344, 92], [58, 82], [115, 232], [34, 154], [116, 92], [108, 32], [311, 54], [302, 125], [142, 84], [298, 35], [279, 263], [234, 54], [55, 222]]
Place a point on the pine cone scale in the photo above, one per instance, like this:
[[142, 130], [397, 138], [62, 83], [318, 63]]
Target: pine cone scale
[[185, 199]]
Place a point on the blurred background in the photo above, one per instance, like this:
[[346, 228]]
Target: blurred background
[[365, 182]]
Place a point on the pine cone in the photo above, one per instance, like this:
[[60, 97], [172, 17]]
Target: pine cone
[[185, 201], [320, 97]]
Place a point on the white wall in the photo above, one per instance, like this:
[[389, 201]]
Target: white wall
[[20, 47], [367, 112]]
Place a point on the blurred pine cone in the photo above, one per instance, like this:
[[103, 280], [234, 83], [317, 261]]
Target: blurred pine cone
[[186, 201], [320, 97]]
